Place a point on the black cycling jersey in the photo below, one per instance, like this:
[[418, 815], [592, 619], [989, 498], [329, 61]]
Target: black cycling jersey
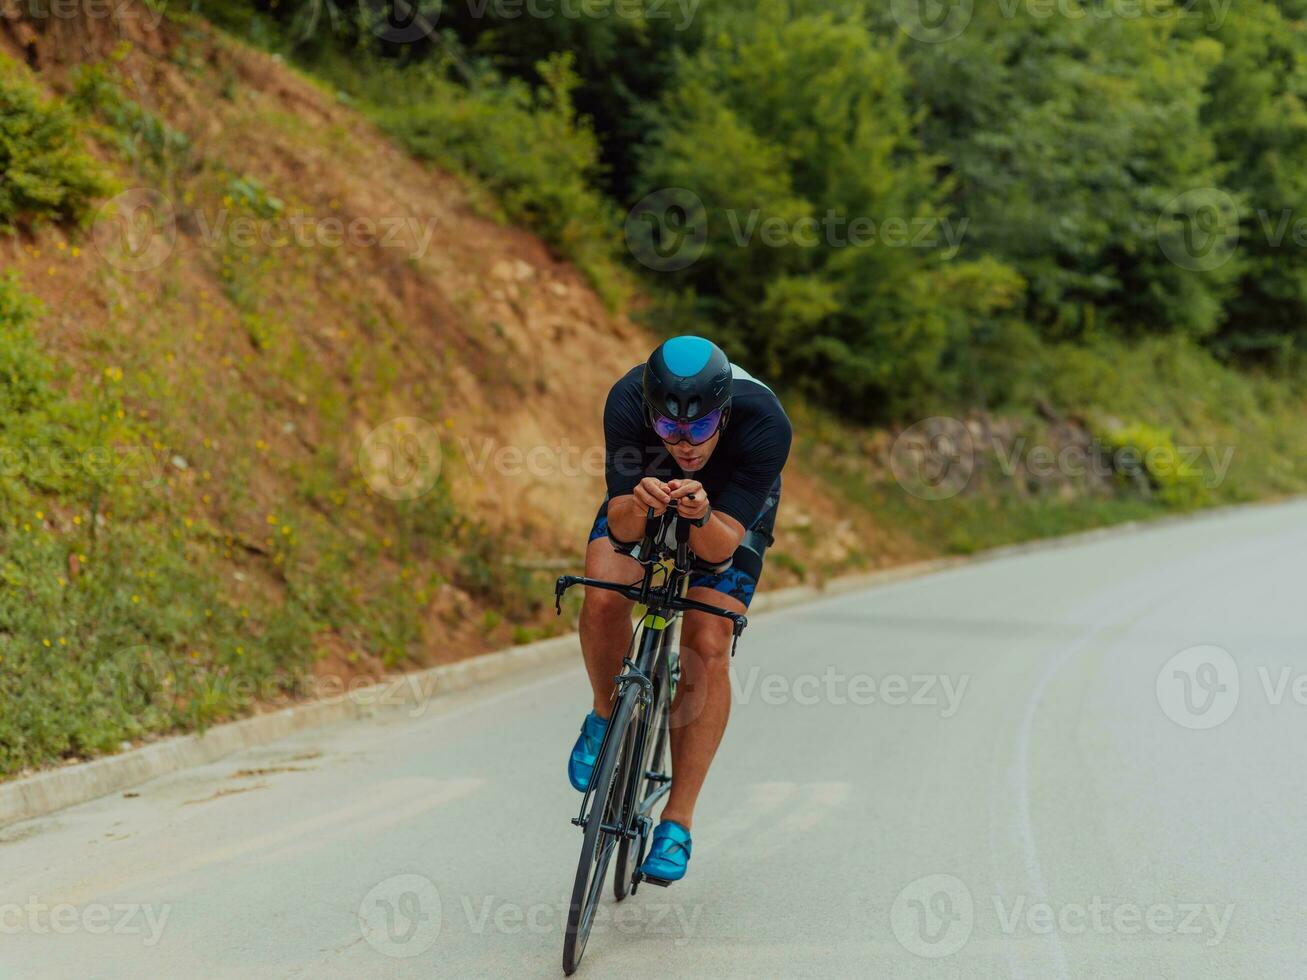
[[745, 465]]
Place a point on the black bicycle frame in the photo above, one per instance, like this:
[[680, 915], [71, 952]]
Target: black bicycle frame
[[662, 602]]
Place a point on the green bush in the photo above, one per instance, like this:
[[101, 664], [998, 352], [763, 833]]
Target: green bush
[[1144, 450], [45, 175]]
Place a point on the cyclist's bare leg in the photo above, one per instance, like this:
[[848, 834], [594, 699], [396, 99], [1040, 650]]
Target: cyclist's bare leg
[[606, 620], [703, 701]]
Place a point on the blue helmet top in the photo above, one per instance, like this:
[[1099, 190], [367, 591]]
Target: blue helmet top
[[686, 378]]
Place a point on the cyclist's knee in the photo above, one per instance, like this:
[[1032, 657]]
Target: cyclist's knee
[[705, 642], [603, 562], [607, 606]]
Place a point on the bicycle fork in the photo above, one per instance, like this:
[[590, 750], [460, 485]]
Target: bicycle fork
[[629, 676]]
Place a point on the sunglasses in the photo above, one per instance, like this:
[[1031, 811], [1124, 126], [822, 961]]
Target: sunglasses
[[695, 433]]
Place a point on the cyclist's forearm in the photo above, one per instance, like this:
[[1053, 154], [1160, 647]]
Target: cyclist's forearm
[[626, 518], [717, 540]]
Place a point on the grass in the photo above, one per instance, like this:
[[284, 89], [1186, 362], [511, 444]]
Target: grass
[[113, 622], [152, 589]]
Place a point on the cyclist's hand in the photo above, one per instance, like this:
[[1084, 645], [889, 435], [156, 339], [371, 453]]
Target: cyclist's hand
[[681, 493], [652, 492]]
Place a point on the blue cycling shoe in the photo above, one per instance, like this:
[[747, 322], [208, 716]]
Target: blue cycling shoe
[[582, 761], [669, 853]]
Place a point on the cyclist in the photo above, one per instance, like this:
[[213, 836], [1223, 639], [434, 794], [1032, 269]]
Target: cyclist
[[691, 431]]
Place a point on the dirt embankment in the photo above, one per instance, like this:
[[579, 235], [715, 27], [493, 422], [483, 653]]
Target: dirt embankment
[[299, 282]]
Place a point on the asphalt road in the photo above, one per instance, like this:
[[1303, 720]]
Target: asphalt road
[[1083, 762]]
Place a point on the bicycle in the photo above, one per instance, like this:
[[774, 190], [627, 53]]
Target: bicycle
[[615, 809]]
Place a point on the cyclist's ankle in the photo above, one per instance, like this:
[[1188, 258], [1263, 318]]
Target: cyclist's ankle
[[675, 818], [605, 712]]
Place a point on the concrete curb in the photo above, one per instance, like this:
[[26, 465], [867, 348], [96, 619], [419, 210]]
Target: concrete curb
[[56, 789], [46, 792]]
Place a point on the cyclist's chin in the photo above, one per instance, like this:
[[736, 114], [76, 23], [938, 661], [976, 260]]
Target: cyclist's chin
[[690, 463], [691, 458]]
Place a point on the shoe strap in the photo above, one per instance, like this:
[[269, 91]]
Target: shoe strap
[[668, 835]]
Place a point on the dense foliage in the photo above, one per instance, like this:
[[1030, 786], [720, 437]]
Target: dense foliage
[[883, 212]]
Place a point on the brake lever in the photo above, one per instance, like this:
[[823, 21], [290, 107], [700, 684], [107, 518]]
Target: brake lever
[[740, 622], [564, 583]]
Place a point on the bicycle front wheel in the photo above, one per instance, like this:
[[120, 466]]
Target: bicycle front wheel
[[604, 826], [650, 772]]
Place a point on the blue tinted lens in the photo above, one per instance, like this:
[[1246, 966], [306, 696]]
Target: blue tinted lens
[[701, 430], [665, 427]]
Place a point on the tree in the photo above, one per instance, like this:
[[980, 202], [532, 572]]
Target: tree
[[1256, 111], [1074, 140], [791, 145]]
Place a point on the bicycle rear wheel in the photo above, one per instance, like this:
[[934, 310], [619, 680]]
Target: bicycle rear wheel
[[603, 826]]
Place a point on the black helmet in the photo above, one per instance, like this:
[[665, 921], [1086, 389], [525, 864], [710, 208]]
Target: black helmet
[[686, 378]]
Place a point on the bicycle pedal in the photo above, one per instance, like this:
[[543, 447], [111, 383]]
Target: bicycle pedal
[[660, 882]]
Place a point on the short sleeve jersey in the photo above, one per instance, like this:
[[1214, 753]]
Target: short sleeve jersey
[[743, 468]]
